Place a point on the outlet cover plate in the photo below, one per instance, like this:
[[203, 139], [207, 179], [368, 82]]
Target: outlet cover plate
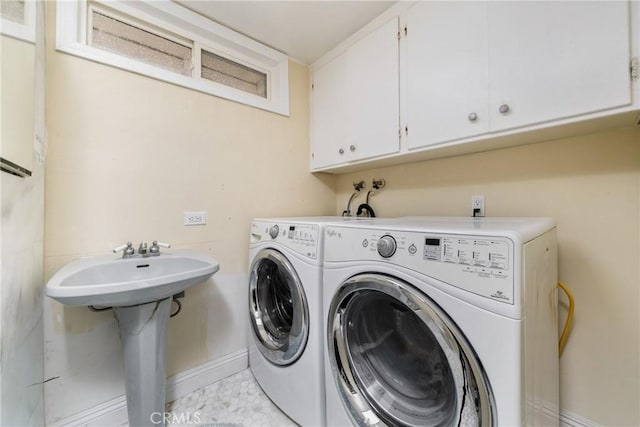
[[195, 218], [477, 202]]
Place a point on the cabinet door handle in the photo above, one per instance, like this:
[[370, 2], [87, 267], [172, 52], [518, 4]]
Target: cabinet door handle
[[352, 147], [504, 108], [341, 151], [472, 117]]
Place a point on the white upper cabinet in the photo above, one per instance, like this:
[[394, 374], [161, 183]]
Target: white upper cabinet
[[550, 60], [329, 113], [485, 67], [355, 110], [374, 101], [447, 71], [467, 76]]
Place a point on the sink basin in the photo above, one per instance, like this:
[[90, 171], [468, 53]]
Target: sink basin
[[120, 282]]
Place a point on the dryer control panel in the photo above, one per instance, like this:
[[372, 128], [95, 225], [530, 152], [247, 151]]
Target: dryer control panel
[[302, 238], [468, 250], [484, 265]]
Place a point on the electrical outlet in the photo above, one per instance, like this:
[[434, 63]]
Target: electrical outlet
[[477, 205], [195, 218]]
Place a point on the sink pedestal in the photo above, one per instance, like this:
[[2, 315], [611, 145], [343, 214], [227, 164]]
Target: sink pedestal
[[143, 332]]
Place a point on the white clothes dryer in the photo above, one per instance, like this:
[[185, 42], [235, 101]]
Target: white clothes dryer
[[285, 307], [441, 322]]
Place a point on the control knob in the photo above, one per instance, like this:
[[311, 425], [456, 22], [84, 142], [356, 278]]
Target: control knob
[[274, 231], [386, 246]]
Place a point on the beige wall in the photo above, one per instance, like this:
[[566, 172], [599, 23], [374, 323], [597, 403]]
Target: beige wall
[[591, 186], [17, 59], [127, 155]]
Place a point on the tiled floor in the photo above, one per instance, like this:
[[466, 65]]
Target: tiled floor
[[232, 402]]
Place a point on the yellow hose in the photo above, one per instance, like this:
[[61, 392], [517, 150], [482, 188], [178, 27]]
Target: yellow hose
[[567, 323]]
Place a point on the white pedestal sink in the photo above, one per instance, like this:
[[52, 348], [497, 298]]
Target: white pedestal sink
[[140, 290]]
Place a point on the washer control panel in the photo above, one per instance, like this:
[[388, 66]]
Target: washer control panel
[[483, 265], [302, 238]]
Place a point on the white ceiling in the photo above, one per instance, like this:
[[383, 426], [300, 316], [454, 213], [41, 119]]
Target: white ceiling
[[304, 30]]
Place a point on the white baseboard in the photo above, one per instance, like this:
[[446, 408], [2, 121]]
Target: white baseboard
[[114, 412]]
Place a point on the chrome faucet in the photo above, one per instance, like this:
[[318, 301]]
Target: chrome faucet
[[142, 249], [127, 250]]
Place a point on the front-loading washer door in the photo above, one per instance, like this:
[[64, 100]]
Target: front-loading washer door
[[398, 359], [278, 308]]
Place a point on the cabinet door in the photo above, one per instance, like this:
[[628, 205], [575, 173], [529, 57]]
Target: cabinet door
[[447, 80], [373, 93], [550, 60], [329, 114]]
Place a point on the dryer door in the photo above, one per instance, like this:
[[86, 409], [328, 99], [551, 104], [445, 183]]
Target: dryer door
[[278, 308], [398, 359]]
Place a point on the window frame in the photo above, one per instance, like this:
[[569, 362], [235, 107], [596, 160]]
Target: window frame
[[26, 30], [173, 21], [159, 32]]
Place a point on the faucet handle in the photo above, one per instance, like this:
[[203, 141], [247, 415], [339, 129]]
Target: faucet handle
[[155, 247], [127, 249]]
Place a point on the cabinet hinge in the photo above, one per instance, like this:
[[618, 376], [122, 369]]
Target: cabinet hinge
[[633, 69]]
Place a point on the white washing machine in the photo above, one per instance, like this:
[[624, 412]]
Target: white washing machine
[[285, 305], [441, 322]]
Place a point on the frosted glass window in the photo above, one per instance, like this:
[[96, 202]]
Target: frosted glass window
[[165, 41], [128, 40], [12, 10], [229, 73]]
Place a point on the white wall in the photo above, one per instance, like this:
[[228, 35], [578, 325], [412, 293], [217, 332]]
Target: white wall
[[591, 186]]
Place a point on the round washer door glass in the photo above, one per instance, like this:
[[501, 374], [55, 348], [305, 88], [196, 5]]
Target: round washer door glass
[[278, 308], [397, 359]]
